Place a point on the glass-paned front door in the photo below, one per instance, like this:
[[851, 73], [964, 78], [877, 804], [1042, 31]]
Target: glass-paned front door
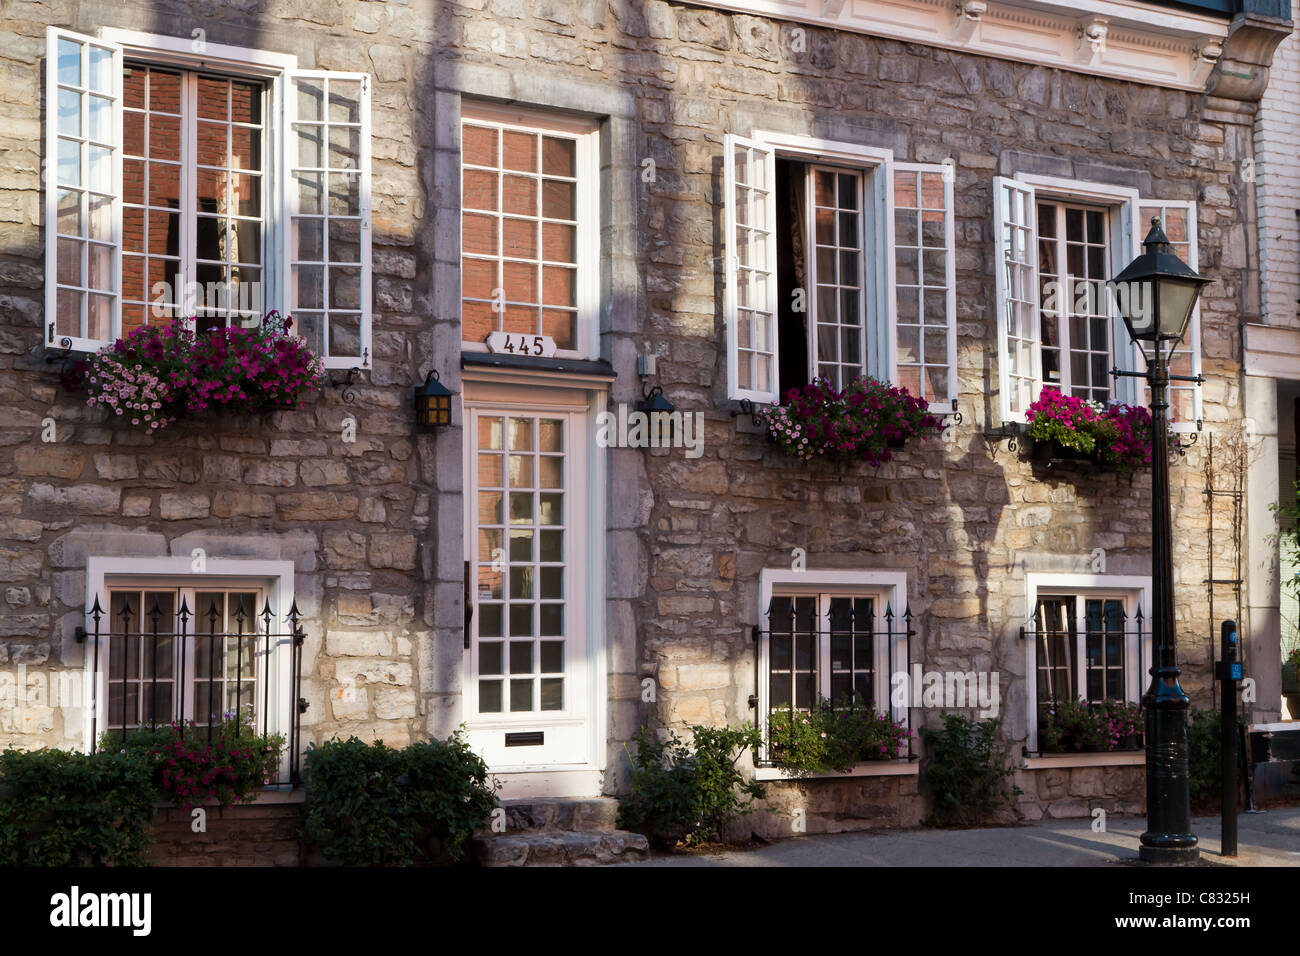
[[524, 692]]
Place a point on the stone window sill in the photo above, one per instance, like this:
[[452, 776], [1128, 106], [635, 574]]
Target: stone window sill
[[1119, 758], [873, 768]]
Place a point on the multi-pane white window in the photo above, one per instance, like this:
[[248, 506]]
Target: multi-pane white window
[[836, 639], [750, 176], [330, 198], [1086, 641], [184, 654], [83, 189], [177, 192], [809, 287], [1178, 219], [528, 226], [836, 272], [1058, 246], [925, 281], [193, 197], [1074, 264]]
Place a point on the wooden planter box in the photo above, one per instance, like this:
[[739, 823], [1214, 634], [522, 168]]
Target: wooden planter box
[[1052, 453]]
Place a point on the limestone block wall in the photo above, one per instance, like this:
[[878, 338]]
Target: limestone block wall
[[352, 515]]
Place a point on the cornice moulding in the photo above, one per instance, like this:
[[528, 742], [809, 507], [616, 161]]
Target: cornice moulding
[[1117, 39]]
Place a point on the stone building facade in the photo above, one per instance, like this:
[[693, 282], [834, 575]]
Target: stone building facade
[[616, 184]]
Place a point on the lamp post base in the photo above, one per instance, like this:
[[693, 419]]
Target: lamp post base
[[1170, 854]]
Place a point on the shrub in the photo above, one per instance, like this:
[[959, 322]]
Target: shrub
[[1205, 756], [858, 421], [159, 372], [692, 792], [832, 739], [64, 808], [967, 771], [372, 805], [192, 765]]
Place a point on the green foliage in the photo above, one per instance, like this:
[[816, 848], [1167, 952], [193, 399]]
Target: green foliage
[[832, 739], [1205, 756], [194, 765], [1079, 725], [689, 793], [64, 808], [372, 805], [967, 772]]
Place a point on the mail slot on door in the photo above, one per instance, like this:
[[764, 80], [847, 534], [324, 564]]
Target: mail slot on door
[[531, 738]]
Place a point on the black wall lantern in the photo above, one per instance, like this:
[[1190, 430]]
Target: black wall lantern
[[432, 403]]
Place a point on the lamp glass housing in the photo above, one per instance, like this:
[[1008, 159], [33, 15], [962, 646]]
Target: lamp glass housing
[[432, 403]]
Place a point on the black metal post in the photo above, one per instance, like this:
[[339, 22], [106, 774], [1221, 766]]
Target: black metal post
[[1229, 674], [1168, 838]]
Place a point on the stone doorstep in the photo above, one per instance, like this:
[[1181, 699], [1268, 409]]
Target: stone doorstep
[[560, 848], [524, 814]]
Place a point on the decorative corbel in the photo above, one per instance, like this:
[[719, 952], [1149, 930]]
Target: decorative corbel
[[1205, 54], [1092, 40], [966, 17]]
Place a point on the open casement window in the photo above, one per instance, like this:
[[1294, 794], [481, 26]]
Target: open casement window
[[810, 283], [1179, 221], [1016, 274], [925, 283], [749, 184], [83, 194], [1059, 245], [329, 204], [193, 187]]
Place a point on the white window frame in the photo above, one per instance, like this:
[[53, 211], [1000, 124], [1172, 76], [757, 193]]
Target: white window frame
[[1192, 339], [880, 313], [1126, 232], [278, 71], [1135, 590], [586, 134], [539, 393], [890, 587], [275, 578], [947, 403], [1122, 203]]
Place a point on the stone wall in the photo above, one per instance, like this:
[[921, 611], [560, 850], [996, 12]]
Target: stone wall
[[255, 835], [354, 517], [374, 527]]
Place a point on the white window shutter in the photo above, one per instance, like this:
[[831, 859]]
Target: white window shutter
[[925, 329], [750, 309], [1016, 273], [83, 191], [1179, 221], [328, 199]]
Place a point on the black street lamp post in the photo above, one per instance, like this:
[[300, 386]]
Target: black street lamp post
[[1157, 293]]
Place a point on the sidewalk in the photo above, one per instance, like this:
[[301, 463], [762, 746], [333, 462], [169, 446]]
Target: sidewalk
[[1271, 838]]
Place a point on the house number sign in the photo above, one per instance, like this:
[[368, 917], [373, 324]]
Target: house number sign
[[516, 343]]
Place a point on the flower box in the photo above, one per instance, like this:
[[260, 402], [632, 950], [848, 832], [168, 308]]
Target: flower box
[[1081, 726], [1065, 429], [866, 421], [1052, 452], [160, 373]]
